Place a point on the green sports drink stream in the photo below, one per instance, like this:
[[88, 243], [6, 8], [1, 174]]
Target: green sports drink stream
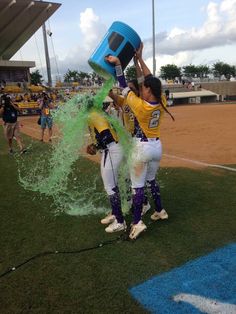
[[56, 174]]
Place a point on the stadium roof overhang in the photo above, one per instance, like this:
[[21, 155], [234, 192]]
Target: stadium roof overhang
[[19, 20], [202, 93]]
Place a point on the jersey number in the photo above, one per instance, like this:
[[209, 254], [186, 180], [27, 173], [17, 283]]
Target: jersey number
[[153, 123]]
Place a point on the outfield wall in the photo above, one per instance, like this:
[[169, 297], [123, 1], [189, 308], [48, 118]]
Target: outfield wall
[[226, 89]]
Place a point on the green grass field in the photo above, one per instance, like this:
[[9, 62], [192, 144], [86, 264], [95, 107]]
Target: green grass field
[[201, 206]]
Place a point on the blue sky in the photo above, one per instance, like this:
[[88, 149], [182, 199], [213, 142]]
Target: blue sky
[[196, 31]]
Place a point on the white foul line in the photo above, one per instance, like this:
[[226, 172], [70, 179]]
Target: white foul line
[[200, 163]]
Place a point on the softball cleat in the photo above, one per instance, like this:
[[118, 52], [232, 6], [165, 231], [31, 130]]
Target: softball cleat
[[116, 226], [108, 219], [136, 229], [159, 215], [145, 208]]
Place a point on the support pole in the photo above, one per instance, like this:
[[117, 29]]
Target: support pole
[[47, 55], [153, 39]]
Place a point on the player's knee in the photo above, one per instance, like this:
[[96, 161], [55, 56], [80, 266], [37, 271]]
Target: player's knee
[[111, 190]]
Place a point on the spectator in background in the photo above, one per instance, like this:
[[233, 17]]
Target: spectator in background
[[169, 98], [9, 112], [167, 94], [46, 106], [3, 85]]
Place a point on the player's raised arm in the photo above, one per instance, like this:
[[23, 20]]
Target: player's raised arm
[[139, 55], [118, 68]]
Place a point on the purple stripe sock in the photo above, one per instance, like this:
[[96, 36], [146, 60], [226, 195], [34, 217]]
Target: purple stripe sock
[[116, 205], [155, 190], [138, 198]]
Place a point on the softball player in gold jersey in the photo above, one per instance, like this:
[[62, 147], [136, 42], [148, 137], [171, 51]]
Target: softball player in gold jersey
[[148, 111], [105, 139]]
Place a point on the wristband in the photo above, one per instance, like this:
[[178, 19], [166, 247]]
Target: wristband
[[119, 70], [121, 80], [140, 79], [125, 91]]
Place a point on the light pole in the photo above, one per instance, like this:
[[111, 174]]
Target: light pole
[[47, 55], [46, 51], [153, 39]]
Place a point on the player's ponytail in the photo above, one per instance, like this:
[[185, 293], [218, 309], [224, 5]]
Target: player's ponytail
[[155, 85]]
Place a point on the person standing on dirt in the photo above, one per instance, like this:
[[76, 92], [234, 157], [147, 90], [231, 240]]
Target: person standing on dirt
[[9, 112], [46, 118]]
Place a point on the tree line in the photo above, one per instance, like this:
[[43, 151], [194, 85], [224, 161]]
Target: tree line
[[71, 76], [167, 72], [172, 71]]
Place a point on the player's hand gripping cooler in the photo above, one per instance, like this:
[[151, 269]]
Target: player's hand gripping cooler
[[120, 41]]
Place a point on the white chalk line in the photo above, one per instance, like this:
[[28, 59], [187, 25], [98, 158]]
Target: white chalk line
[[200, 163]]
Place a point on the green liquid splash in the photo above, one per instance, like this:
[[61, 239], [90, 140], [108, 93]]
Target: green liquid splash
[[51, 173]]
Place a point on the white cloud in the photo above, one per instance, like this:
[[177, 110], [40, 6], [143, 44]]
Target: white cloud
[[175, 32], [219, 29], [229, 7], [179, 46], [91, 28], [179, 59]]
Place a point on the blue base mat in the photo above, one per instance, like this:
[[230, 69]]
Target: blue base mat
[[204, 285]]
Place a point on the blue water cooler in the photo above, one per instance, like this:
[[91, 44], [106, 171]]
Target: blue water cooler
[[120, 41]]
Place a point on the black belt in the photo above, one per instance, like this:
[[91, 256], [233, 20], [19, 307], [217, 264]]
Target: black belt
[[106, 152], [146, 139]]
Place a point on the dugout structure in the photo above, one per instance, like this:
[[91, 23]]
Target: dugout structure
[[19, 20]]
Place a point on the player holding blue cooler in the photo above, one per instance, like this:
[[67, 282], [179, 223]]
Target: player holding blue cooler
[[148, 111]]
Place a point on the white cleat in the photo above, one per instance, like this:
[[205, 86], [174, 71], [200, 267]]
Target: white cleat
[[108, 219], [136, 229], [116, 226], [145, 208], [159, 215]]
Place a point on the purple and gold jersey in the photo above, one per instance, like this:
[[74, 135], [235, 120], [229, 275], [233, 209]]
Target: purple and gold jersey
[[128, 116], [148, 115], [98, 123]]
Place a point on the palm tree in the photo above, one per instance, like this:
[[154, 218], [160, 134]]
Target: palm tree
[[36, 78], [71, 76]]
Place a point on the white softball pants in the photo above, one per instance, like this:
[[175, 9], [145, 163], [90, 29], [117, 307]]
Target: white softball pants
[[146, 159], [110, 162]]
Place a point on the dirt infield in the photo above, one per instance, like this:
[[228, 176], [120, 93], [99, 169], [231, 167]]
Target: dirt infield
[[200, 135]]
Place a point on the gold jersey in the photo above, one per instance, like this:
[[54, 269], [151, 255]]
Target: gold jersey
[[148, 115], [127, 114], [98, 123]]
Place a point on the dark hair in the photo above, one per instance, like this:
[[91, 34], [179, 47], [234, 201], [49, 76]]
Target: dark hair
[[105, 105], [136, 86], [6, 100], [135, 82], [155, 85]]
